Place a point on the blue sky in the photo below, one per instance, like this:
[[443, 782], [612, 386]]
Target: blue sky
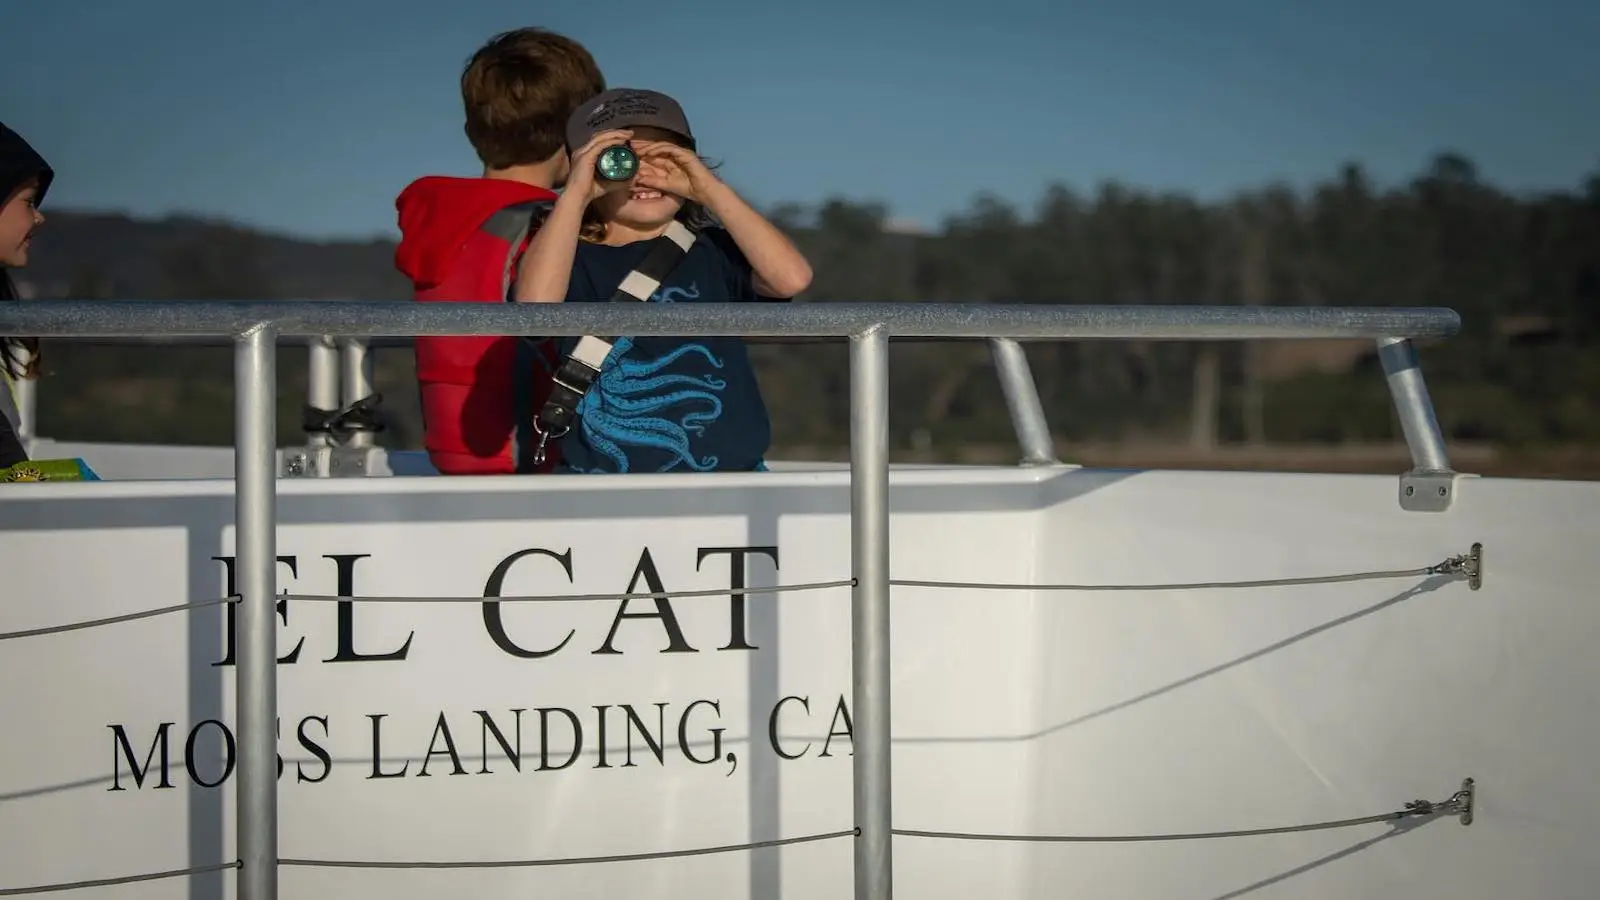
[[309, 116]]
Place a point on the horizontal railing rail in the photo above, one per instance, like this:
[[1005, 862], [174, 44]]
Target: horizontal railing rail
[[257, 327], [289, 318], [396, 342]]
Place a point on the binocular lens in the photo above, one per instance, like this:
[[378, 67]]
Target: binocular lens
[[617, 163]]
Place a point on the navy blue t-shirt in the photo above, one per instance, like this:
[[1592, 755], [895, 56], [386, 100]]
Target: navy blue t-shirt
[[668, 404]]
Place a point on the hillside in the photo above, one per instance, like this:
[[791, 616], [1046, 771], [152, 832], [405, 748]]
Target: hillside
[[109, 255], [1522, 378]]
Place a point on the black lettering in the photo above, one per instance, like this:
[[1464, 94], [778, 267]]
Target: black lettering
[[646, 569], [377, 750], [841, 711], [316, 749], [514, 756], [544, 738], [491, 611], [716, 733], [600, 738], [772, 727], [161, 743], [441, 729], [345, 564], [229, 753], [233, 608], [737, 556], [644, 731]]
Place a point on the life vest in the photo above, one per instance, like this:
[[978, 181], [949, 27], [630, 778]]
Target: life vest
[[479, 394]]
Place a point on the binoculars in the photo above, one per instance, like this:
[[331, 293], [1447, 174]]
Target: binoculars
[[617, 163]]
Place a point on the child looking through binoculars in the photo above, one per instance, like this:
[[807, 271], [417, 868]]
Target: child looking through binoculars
[[669, 232]]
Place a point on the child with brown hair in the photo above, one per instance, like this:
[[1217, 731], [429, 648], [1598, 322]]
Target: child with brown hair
[[461, 239]]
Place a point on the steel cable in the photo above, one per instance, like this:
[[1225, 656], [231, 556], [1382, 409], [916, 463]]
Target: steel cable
[[122, 879], [1463, 564], [565, 861], [1457, 804]]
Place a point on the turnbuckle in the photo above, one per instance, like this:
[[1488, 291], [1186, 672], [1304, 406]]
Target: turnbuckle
[[1469, 564], [1460, 804]]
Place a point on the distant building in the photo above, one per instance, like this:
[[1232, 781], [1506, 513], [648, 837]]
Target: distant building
[[905, 226]]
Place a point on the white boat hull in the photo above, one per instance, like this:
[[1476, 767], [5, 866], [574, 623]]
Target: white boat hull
[[1017, 712]]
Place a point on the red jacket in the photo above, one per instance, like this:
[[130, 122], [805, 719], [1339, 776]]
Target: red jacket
[[460, 240]]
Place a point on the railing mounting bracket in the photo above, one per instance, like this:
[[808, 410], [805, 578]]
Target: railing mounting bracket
[[332, 462], [1422, 491]]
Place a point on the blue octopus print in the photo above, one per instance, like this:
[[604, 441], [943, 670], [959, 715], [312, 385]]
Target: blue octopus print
[[628, 405]]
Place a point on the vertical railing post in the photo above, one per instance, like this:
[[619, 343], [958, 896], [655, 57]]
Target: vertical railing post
[[27, 397], [356, 359], [322, 380], [255, 544], [869, 562], [1022, 402]]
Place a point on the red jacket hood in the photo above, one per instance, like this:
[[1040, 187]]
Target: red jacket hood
[[439, 213]]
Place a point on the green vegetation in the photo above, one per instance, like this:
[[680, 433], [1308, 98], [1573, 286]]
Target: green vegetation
[[1524, 272]]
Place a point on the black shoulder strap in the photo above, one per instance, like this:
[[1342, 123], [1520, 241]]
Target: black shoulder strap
[[582, 366]]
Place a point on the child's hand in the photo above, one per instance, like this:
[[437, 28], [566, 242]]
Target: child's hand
[[666, 167], [582, 180]]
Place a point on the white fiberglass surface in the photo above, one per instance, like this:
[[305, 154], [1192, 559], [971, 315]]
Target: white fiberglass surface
[[726, 718]]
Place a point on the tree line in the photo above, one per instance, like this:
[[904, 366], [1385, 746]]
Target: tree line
[[1522, 269]]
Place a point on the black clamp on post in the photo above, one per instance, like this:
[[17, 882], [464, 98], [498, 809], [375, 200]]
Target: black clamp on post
[[360, 416]]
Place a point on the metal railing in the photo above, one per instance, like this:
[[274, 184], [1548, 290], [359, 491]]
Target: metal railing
[[340, 374], [256, 327]]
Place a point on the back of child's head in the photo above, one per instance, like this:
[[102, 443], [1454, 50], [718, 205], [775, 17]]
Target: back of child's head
[[20, 164], [518, 91]]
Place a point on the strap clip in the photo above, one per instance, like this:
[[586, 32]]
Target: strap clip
[[544, 437]]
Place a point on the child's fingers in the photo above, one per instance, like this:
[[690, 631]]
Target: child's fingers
[[665, 149], [652, 174]]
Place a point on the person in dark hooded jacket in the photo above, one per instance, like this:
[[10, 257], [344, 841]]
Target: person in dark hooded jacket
[[24, 179]]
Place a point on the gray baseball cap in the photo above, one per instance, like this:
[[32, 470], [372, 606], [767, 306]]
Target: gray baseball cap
[[627, 108]]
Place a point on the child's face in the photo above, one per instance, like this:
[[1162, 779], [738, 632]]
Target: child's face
[[639, 207], [18, 218]]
